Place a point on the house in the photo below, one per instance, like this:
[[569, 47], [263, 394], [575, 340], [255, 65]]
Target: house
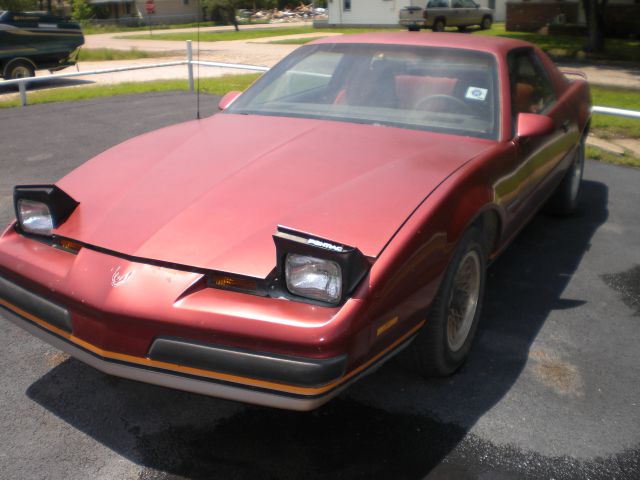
[[134, 11], [385, 13], [567, 16]]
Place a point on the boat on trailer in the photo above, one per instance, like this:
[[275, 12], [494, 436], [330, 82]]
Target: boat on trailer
[[31, 41]]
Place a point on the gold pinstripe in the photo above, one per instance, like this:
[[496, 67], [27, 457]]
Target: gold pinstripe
[[147, 362]]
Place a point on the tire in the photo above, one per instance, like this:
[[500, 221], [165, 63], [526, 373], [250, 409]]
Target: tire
[[18, 69], [438, 25], [486, 23], [440, 349], [564, 200]]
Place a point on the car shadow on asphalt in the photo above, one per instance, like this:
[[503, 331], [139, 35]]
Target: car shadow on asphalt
[[392, 424]]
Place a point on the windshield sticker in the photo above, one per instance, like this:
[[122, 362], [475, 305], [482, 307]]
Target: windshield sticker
[[476, 93]]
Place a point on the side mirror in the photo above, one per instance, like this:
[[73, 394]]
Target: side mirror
[[228, 99], [533, 125]]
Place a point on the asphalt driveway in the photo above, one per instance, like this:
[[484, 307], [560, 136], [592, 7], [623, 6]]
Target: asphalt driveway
[[551, 390]]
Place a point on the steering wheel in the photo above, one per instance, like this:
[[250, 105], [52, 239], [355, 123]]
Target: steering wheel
[[458, 106]]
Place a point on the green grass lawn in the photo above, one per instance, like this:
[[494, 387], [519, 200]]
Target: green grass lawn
[[103, 54], [567, 46], [253, 33], [97, 29], [606, 126], [627, 159], [296, 41], [558, 46]]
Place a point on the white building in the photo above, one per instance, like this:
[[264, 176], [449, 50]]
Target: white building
[[133, 11], [386, 12]]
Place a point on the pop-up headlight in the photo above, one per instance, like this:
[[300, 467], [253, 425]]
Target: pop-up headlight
[[318, 269], [41, 208], [313, 277]]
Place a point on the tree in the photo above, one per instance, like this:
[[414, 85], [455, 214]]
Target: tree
[[81, 10], [227, 9], [18, 5], [595, 12]]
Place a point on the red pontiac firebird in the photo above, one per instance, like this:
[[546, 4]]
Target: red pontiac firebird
[[341, 210]]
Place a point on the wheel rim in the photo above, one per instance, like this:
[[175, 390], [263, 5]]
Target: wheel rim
[[439, 26], [577, 170], [20, 72], [463, 302]]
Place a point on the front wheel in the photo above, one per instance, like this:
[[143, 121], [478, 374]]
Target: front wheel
[[564, 200], [486, 23], [444, 342], [438, 25]]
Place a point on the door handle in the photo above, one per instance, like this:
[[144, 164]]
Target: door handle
[[565, 126]]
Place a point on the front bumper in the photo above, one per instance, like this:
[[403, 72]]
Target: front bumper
[[170, 375], [171, 352], [185, 365]]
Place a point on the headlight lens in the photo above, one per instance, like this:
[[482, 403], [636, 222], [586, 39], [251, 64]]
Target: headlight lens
[[313, 278], [34, 217]]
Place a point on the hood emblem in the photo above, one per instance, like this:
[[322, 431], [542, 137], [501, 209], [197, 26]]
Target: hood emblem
[[117, 279]]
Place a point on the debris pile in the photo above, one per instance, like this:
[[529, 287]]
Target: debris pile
[[303, 12]]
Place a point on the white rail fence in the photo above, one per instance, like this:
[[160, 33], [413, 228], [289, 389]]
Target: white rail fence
[[190, 62]]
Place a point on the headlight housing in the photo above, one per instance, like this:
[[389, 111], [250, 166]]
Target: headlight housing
[[41, 208], [311, 277], [315, 270]]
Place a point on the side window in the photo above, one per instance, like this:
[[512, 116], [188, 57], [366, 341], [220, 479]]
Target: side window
[[469, 4], [531, 90], [456, 4]]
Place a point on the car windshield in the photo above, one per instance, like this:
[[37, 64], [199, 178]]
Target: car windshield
[[436, 89]]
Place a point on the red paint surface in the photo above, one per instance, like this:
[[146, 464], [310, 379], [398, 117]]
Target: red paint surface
[[210, 193]]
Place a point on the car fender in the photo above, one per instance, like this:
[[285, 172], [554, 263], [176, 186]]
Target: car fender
[[406, 276]]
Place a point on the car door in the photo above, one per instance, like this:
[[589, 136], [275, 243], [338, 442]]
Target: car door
[[456, 14], [472, 13], [538, 158]]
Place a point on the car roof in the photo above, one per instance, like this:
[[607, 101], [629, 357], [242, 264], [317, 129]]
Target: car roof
[[494, 45]]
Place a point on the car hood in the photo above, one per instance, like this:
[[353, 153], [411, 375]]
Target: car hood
[[211, 193]]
